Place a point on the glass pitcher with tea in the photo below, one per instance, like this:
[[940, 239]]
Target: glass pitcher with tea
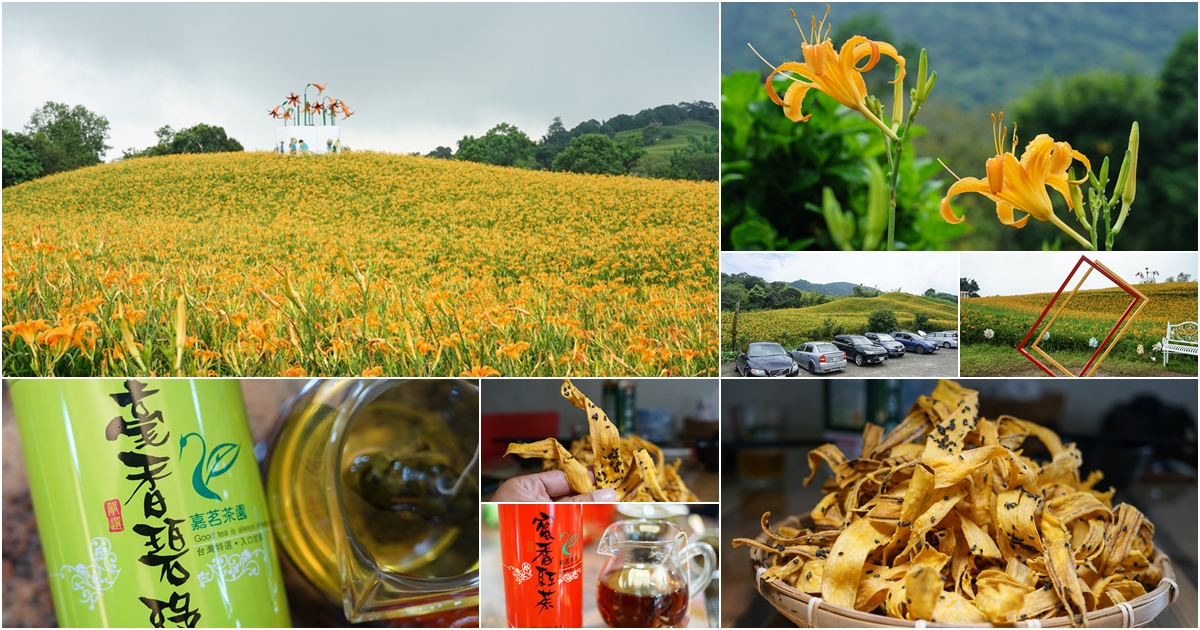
[[373, 490], [646, 581]]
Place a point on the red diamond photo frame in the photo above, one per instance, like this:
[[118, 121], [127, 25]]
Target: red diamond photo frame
[[1139, 301]]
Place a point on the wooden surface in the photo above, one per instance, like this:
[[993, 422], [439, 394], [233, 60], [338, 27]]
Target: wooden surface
[[1170, 506], [491, 585]]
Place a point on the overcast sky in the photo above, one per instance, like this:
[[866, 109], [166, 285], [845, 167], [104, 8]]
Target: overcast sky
[[911, 272], [1005, 273], [416, 75]]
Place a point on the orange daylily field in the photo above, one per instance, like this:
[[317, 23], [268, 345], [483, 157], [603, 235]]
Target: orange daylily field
[[1089, 314], [359, 264]]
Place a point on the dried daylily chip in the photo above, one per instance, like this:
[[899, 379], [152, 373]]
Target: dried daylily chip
[[633, 467], [946, 519], [577, 474], [606, 441]]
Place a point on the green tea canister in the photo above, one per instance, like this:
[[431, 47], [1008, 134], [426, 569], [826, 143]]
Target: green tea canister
[[149, 503]]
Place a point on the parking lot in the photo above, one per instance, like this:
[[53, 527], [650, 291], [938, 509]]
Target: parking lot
[[940, 364]]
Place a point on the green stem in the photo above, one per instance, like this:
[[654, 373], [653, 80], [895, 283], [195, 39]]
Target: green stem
[[887, 131], [893, 178], [1072, 233], [1092, 228], [1108, 226]]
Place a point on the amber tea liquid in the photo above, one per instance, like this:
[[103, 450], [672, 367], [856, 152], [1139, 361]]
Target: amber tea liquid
[[636, 597], [393, 460]]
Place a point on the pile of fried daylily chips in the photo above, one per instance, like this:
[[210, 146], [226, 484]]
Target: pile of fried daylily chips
[[945, 520], [631, 466]]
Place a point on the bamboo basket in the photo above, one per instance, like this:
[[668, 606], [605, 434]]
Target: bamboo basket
[[808, 611]]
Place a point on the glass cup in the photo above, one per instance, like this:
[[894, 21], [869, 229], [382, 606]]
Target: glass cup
[[374, 495], [646, 582]]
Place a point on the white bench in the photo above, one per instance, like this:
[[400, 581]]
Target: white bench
[[1180, 339]]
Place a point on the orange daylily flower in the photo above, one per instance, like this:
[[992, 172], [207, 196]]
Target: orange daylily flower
[[835, 73], [372, 372], [27, 331], [1021, 184], [274, 113], [478, 372], [320, 87], [512, 351], [70, 334], [293, 99]]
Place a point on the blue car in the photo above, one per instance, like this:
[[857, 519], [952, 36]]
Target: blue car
[[914, 343]]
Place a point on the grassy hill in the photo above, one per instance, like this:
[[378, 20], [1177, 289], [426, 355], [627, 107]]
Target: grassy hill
[[849, 315], [1089, 314], [362, 263], [680, 132]]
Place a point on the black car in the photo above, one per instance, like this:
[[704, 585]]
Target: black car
[[764, 358], [885, 341], [859, 349]]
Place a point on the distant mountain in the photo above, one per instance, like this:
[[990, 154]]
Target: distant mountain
[[831, 288], [985, 53]]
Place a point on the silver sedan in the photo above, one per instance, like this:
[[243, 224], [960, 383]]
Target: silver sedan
[[819, 357]]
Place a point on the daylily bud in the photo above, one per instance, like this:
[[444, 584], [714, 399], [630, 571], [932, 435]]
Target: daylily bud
[[1093, 181], [1123, 177], [841, 226], [1077, 199], [874, 106], [898, 98], [1131, 184], [929, 86], [922, 70], [1104, 173], [180, 331], [877, 207]]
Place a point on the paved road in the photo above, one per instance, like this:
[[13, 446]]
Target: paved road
[[940, 364]]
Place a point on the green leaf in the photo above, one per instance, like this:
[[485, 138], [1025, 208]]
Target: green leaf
[[221, 459], [754, 234]]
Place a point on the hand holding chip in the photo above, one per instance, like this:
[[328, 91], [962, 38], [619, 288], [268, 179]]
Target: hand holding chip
[[547, 486]]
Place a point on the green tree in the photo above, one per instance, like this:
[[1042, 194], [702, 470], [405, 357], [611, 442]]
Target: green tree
[[502, 145], [204, 138], [920, 321], [731, 294], [930, 293], [882, 320], [1169, 151], [201, 138], [21, 162], [969, 285], [651, 133], [756, 297], [597, 154], [66, 138], [444, 153]]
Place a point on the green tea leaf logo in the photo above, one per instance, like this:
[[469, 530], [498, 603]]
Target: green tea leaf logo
[[210, 465]]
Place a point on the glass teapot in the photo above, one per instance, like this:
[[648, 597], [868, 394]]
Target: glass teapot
[[374, 495], [646, 581]]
